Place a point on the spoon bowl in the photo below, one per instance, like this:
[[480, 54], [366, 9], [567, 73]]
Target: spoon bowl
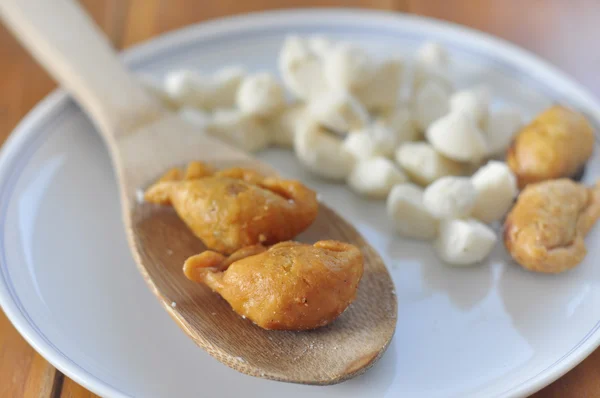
[[144, 140]]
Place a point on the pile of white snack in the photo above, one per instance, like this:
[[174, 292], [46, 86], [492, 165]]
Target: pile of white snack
[[431, 154]]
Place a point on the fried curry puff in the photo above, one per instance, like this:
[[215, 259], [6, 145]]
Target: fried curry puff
[[234, 208], [290, 286], [556, 144], [545, 230]]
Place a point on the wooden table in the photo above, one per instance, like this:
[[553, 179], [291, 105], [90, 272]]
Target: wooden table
[[564, 32]]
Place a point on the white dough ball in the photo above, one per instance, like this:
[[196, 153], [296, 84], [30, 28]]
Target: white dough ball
[[457, 137], [321, 152], [400, 121], [410, 217], [464, 242], [382, 91], [432, 63], [475, 102], [431, 102], [450, 197], [260, 95], [284, 125], [375, 177], [424, 165], [338, 111], [348, 67], [496, 188], [239, 130], [301, 70], [502, 125]]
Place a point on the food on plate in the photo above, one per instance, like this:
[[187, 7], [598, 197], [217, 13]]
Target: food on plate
[[321, 152], [423, 164], [432, 101], [432, 63], [556, 144], [450, 197], [545, 230], [191, 88], [260, 95], [320, 45], [382, 90], [496, 188], [239, 130], [474, 101], [234, 208], [350, 115], [348, 67], [284, 124], [338, 111], [375, 140], [302, 69], [501, 127], [375, 177], [464, 242], [457, 136], [362, 146], [410, 217], [290, 286], [400, 121]]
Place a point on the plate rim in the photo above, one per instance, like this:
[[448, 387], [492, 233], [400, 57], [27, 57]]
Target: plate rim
[[24, 132]]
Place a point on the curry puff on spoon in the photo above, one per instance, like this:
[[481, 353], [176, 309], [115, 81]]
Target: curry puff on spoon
[[145, 140]]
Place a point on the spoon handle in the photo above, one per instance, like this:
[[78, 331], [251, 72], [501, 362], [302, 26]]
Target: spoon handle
[[65, 40]]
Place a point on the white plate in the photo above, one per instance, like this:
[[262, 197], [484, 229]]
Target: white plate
[[69, 284]]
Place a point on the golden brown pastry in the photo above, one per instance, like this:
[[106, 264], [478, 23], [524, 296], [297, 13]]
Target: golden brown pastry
[[234, 208], [545, 230], [290, 286], [556, 144]]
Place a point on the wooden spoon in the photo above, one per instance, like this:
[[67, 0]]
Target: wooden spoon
[[144, 140]]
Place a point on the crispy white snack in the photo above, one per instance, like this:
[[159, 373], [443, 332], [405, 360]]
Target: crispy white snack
[[157, 90], [301, 69], [433, 54], [502, 125], [362, 146], [464, 242], [348, 67], [321, 152], [432, 63], [431, 102], [260, 95], [375, 177], [382, 91], [474, 101], [320, 45], [284, 124], [450, 197], [496, 188], [186, 87], [457, 137], [410, 217], [338, 111], [423, 164], [239, 130], [190, 88], [197, 117], [372, 141], [224, 87], [400, 121]]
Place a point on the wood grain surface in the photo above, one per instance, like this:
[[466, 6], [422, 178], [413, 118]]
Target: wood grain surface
[[561, 31]]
